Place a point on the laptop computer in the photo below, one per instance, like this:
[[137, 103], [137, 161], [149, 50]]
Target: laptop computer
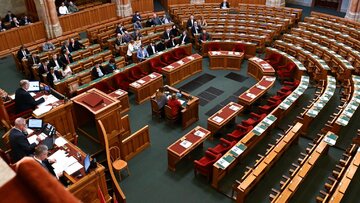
[[35, 123]]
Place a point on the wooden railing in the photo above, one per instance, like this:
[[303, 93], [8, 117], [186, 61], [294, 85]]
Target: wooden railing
[[82, 20], [12, 39], [135, 143]]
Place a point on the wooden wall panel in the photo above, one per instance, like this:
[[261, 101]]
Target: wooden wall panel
[[11, 40], [142, 5], [82, 20], [167, 3], [135, 143]]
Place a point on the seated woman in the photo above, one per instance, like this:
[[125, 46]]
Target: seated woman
[[175, 105]]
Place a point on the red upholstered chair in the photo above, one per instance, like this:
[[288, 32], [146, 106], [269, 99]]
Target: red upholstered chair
[[286, 71], [204, 165], [179, 53], [136, 73], [274, 59], [271, 104], [11, 110], [156, 65], [104, 87], [223, 147], [254, 119], [281, 95], [239, 132], [122, 81], [214, 47], [239, 48], [290, 86], [168, 58]]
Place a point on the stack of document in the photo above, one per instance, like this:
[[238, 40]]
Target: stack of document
[[135, 84], [64, 163], [50, 99], [152, 76], [218, 119], [186, 144], [180, 62], [60, 141], [118, 92], [234, 108], [41, 110], [169, 67], [141, 81], [252, 96], [191, 58], [260, 87], [199, 133]]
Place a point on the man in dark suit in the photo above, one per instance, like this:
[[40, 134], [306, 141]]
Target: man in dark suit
[[156, 20], [41, 156], [53, 76], [66, 58], [9, 17], [224, 4], [23, 100], [161, 45], [20, 146], [172, 42], [196, 29], [120, 29], [23, 53], [151, 49], [136, 17], [75, 45], [43, 68], [167, 34], [34, 59], [25, 21], [204, 36], [184, 38], [110, 67], [2, 26], [55, 62], [98, 71], [190, 22], [14, 23]]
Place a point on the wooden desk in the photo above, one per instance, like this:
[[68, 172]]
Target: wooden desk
[[257, 68], [108, 110], [228, 45], [123, 97], [182, 69], [146, 86], [228, 60], [224, 116], [255, 92], [176, 151]]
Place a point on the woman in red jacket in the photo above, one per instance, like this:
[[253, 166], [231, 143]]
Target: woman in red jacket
[[175, 105]]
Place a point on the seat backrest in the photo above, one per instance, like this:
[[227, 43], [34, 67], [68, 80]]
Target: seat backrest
[[6, 139], [154, 105], [168, 113], [114, 153]]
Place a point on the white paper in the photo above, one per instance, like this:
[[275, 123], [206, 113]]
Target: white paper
[[31, 93], [118, 92], [152, 76], [73, 168], [180, 62], [260, 130], [260, 87], [141, 81], [42, 136], [223, 163], [32, 139], [12, 96], [236, 150], [41, 110], [135, 84], [252, 96], [48, 100], [170, 67], [60, 141], [199, 133], [186, 144], [330, 141], [234, 108], [191, 58], [217, 119], [29, 131]]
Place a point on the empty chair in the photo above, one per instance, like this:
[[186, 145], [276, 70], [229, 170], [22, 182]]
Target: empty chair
[[168, 58], [271, 104], [254, 119], [122, 81], [281, 95], [290, 85], [179, 53], [117, 163], [214, 47], [136, 73], [239, 132], [157, 65], [104, 87], [286, 71], [274, 59], [222, 147], [204, 165]]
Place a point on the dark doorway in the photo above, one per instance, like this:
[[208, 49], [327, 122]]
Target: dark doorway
[[332, 4]]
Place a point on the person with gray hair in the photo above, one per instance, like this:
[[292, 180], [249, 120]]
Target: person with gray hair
[[20, 146], [41, 156], [23, 100]]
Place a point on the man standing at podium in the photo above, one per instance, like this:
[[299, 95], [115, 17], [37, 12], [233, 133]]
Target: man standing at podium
[[23, 99]]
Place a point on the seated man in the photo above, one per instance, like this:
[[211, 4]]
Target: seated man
[[34, 59], [25, 21], [191, 21], [224, 4], [48, 46], [55, 62], [161, 99], [151, 49], [2, 26], [43, 68], [9, 17], [156, 20], [175, 105], [120, 29], [75, 45], [63, 10], [15, 23], [172, 42], [137, 25], [136, 17], [53, 76], [23, 54], [127, 37], [20, 146], [161, 45], [165, 19], [66, 58], [110, 67], [184, 38], [72, 8], [98, 71], [204, 36], [142, 54], [196, 29], [136, 34], [23, 99], [167, 34], [41, 156]]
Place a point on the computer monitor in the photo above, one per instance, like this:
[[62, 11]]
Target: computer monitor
[[87, 163], [34, 86], [35, 123]]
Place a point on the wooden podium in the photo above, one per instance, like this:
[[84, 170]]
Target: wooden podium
[[94, 105]]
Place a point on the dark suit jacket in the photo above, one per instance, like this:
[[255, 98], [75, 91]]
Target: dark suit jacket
[[53, 64], [24, 101], [47, 166], [171, 43], [32, 61], [42, 70], [160, 46], [189, 24], [120, 30], [20, 146], [9, 18], [50, 78], [199, 29], [23, 22], [175, 32], [227, 5], [186, 40], [156, 21], [13, 24], [135, 18], [64, 61], [20, 54], [109, 68], [95, 74], [63, 47], [75, 46], [166, 35], [2, 26], [150, 51], [201, 37]]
